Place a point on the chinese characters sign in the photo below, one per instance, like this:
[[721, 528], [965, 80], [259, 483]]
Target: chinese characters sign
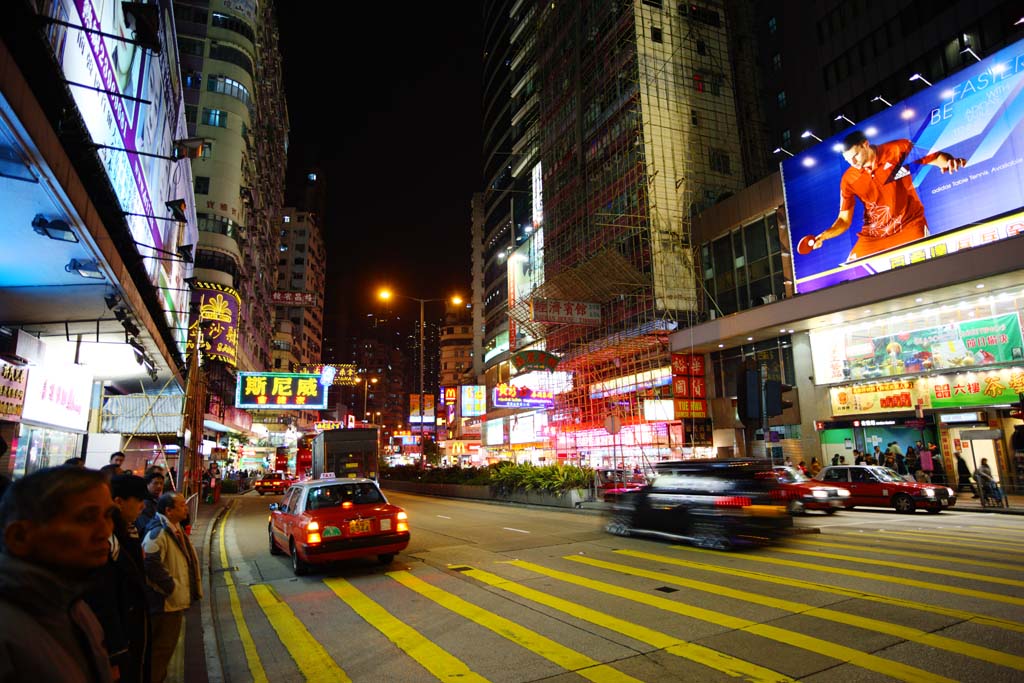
[[58, 395], [877, 397], [976, 388], [345, 374], [293, 298], [535, 360], [474, 400], [689, 386], [326, 425], [216, 306], [568, 312], [12, 391], [280, 390], [509, 396]]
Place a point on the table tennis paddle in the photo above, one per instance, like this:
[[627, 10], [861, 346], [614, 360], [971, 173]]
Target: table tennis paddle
[[806, 244]]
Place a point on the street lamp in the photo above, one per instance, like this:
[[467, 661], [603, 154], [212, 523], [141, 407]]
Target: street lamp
[[366, 390], [386, 295]]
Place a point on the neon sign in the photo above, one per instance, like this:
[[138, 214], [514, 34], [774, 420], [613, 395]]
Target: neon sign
[[280, 391], [509, 396]]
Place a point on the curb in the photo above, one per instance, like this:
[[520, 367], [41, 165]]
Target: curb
[[211, 643]]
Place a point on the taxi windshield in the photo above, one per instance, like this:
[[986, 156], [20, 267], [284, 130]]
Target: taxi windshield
[[887, 475], [333, 496], [790, 475]]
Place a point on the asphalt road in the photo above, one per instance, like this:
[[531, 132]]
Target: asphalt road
[[509, 594]]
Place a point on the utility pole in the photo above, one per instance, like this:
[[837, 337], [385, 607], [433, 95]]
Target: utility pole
[[764, 409]]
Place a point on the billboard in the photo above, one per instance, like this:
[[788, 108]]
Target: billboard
[[58, 395], [280, 391], [474, 400], [216, 306], [939, 172]]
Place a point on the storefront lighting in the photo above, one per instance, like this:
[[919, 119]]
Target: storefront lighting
[[721, 346], [56, 230], [87, 269], [750, 339], [980, 285], [919, 77], [918, 300]]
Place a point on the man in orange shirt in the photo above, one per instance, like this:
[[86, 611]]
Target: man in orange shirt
[[893, 213]]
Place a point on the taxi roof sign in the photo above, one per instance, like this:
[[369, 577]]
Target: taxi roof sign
[[327, 475]]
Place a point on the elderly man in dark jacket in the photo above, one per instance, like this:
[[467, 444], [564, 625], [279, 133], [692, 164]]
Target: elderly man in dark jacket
[[118, 596], [56, 525]]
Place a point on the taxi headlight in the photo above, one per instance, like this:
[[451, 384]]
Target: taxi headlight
[[843, 493], [820, 493], [949, 492], [930, 493]]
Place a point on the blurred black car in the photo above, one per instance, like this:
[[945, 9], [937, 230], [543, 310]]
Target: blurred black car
[[717, 504]]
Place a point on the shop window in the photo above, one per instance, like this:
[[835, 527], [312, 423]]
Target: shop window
[[656, 34]]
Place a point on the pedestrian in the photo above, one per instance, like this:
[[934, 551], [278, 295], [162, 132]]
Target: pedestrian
[[815, 467], [939, 473], [963, 475], [74, 462], [172, 568], [900, 464], [154, 489], [56, 525], [986, 480], [858, 459], [117, 458], [924, 459], [803, 467], [118, 596], [835, 458]]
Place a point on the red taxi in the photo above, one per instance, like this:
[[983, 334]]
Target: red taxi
[[803, 493], [272, 482], [328, 519], [873, 486]]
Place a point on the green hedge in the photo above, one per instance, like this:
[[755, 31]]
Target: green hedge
[[510, 477]]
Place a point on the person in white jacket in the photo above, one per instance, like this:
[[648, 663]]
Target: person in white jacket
[[172, 569]]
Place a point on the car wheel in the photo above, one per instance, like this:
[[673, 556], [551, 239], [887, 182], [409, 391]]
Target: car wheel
[[618, 526], [903, 503], [259, 492], [386, 558], [795, 507], [831, 511], [711, 536], [274, 550], [299, 566]]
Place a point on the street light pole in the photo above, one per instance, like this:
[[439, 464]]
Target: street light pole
[[366, 391], [423, 448]]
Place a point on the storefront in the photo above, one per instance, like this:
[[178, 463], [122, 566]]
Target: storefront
[[55, 417]]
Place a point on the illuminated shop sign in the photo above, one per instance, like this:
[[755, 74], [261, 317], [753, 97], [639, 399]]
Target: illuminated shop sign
[[428, 409], [474, 400], [537, 185], [280, 390], [13, 379], [534, 360], [659, 377], [878, 397], [565, 312], [509, 396], [293, 298], [976, 388], [216, 307], [58, 395], [327, 425], [904, 209], [689, 386], [345, 374], [449, 395]]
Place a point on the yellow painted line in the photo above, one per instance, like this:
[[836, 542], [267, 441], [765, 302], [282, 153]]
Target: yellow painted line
[[962, 615], [902, 565], [908, 553], [902, 581], [310, 656], [968, 548], [732, 666], [867, 623], [252, 656], [437, 661], [531, 640], [964, 536], [864, 660]]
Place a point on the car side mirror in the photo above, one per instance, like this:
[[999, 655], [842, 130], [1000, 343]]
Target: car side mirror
[[274, 507]]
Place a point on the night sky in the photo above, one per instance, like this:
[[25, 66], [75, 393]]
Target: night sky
[[385, 99]]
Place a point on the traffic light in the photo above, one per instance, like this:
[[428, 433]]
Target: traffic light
[[774, 393], [1017, 409], [748, 395]]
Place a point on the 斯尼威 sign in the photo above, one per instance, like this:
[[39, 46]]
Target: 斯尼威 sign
[[280, 390]]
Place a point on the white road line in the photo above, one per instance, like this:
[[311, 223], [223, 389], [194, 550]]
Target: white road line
[[444, 516], [518, 531]]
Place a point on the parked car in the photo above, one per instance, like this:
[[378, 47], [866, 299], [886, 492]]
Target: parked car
[[326, 520], [874, 486], [801, 493], [717, 504], [272, 482]]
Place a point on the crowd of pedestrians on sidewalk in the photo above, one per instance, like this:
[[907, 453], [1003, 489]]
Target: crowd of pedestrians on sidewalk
[[96, 573]]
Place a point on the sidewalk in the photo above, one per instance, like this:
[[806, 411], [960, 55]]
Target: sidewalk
[[965, 503]]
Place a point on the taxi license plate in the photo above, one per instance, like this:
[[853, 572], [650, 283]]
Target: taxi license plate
[[359, 526], [766, 510]]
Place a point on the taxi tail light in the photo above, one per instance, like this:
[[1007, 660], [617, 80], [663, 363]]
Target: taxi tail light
[[732, 502], [313, 532], [402, 523], [346, 505]]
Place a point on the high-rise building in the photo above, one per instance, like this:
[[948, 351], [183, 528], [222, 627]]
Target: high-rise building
[[234, 99], [630, 108]]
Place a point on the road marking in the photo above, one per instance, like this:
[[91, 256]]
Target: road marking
[[963, 615], [864, 660], [310, 656], [443, 665], [867, 623], [444, 516], [252, 657], [733, 666], [518, 531], [908, 553], [531, 640], [902, 581], [902, 565], [915, 539], [968, 536]]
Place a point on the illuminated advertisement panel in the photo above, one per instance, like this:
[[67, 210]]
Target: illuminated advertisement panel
[[428, 409], [939, 172], [216, 306], [509, 396], [58, 395], [280, 391], [474, 400]]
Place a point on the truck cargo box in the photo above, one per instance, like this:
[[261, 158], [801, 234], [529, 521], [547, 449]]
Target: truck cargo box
[[346, 453]]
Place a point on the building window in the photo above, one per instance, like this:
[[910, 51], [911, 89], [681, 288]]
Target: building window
[[229, 23], [698, 82], [191, 114], [190, 46], [231, 55], [719, 161], [202, 185], [776, 61], [215, 117], [773, 25], [694, 118], [656, 34], [230, 87], [702, 47], [786, 137], [192, 79], [780, 97]]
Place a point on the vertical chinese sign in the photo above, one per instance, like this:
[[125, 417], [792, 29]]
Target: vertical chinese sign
[[216, 307], [689, 386]]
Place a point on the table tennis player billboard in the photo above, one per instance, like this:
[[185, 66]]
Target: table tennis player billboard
[[939, 172]]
